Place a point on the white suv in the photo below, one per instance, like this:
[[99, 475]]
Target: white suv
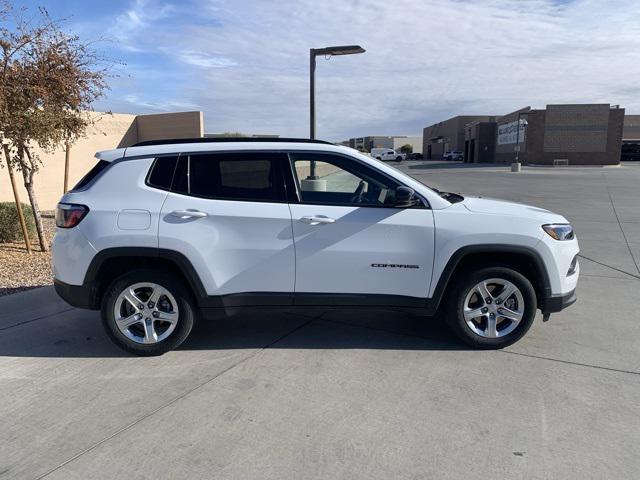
[[161, 233]]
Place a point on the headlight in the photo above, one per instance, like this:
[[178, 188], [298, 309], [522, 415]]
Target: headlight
[[559, 231]]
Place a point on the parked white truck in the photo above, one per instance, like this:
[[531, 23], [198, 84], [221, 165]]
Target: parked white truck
[[387, 154]]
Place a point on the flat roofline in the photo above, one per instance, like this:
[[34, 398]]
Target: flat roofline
[[173, 141]]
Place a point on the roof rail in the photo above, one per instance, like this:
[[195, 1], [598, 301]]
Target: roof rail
[[226, 140]]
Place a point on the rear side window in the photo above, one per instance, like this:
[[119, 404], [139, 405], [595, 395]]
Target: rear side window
[[248, 176], [161, 172], [91, 174]]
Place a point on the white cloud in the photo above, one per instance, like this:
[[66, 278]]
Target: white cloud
[[129, 26], [205, 60], [164, 105], [425, 60]]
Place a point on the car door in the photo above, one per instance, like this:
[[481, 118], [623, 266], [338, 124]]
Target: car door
[[228, 214], [353, 245]]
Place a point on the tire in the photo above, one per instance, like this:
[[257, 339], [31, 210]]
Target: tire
[[379, 158], [398, 159], [486, 331], [172, 318]]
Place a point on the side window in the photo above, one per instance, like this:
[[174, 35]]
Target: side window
[[91, 174], [161, 172], [335, 180], [251, 176]]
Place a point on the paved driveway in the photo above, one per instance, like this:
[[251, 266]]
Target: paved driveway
[[348, 395]]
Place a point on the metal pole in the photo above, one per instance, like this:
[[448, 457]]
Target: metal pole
[[312, 94], [312, 106], [517, 137]]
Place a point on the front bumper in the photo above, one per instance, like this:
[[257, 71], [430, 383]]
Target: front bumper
[[556, 303], [80, 296]]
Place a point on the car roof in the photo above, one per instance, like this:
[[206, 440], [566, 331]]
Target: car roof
[[145, 149]]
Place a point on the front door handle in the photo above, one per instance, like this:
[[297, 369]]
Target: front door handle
[[317, 219], [188, 214]]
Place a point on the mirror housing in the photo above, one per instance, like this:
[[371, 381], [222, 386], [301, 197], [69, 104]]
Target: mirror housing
[[405, 197]]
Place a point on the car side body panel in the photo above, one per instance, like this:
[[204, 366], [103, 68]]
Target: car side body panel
[[238, 247], [457, 227], [383, 251], [123, 212]]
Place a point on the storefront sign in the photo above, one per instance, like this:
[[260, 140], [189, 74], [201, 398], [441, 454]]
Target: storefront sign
[[508, 133]]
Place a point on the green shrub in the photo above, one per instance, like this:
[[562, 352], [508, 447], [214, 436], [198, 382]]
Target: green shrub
[[10, 230]]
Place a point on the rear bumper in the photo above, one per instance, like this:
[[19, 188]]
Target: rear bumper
[[556, 303], [80, 296]]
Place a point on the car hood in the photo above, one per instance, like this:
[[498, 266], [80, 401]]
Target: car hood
[[504, 207]]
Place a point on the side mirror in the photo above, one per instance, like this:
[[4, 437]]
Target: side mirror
[[405, 197]]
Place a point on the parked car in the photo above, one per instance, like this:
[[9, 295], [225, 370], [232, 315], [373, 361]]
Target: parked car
[[414, 156], [453, 155], [387, 154], [161, 233]]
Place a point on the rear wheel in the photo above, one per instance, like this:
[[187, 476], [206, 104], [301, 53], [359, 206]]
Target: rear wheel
[[492, 308], [147, 312], [398, 159]]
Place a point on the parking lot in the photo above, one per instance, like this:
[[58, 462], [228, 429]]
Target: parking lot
[[348, 395]]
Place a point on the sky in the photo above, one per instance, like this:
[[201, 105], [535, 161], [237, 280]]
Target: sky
[[245, 63]]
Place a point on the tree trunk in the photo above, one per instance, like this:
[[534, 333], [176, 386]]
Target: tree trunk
[[67, 154], [27, 175], [16, 196]]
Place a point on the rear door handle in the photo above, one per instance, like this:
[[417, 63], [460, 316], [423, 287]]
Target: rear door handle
[[317, 219], [188, 214]]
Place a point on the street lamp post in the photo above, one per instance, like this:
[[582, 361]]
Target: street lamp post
[[518, 135], [326, 51], [313, 53]]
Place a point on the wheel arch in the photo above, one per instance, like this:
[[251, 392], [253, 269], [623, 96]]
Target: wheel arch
[[523, 259], [110, 263]]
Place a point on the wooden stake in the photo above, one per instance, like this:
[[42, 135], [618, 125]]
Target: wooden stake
[[16, 196], [67, 154]]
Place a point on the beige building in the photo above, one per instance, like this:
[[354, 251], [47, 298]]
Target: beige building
[[394, 142], [109, 131]]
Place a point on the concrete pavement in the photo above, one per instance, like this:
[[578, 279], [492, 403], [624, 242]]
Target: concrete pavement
[[347, 395]]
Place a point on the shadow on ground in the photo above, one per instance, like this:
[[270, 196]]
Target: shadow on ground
[[78, 333]]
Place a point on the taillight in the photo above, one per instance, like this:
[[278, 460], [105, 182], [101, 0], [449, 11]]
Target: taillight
[[69, 215]]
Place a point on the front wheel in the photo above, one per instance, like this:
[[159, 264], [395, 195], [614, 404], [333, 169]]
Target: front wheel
[[147, 312], [398, 159], [492, 308]]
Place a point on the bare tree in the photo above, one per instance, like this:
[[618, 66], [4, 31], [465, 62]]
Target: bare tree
[[49, 80]]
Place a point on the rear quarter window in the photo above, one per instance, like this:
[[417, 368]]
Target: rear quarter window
[[91, 174], [161, 172]]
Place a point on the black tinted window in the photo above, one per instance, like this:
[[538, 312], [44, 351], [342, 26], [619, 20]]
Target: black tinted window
[[91, 174], [231, 176], [161, 173]]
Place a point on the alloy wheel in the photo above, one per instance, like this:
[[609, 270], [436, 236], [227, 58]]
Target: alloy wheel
[[493, 308], [146, 313]]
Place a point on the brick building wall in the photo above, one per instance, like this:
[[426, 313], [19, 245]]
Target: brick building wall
[[589, 134], [452, 131]]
